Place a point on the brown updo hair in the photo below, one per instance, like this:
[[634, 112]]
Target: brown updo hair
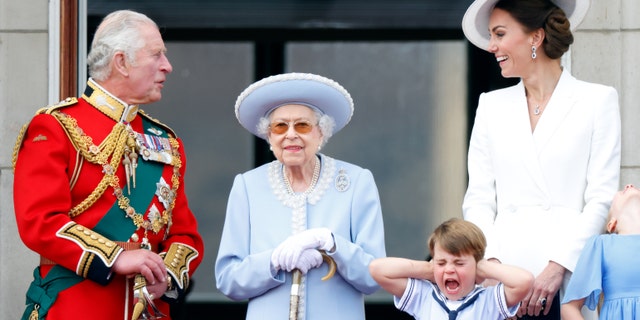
[[534, 14]]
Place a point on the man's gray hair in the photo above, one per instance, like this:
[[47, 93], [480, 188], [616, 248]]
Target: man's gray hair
[[118, 32]]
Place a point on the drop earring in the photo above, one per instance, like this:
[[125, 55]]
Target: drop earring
[[533, 52]]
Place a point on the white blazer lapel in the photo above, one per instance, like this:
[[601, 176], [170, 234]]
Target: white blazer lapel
[[522, 132], [561, 102]]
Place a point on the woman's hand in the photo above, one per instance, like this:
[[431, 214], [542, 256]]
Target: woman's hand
[[287, 255], [545, 288]]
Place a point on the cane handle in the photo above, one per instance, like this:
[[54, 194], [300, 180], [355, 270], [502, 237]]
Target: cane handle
[[332, 266]]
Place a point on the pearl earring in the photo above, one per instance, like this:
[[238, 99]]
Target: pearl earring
[[533, 52]]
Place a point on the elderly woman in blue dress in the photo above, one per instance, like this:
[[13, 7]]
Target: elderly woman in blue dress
[[283, 216]]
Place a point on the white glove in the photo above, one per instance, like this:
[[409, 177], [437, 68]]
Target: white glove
[[286, 255], [309, 259]]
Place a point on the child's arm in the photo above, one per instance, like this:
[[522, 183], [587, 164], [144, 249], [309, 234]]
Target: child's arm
[[571, 310], [392, 273], [517, 281]]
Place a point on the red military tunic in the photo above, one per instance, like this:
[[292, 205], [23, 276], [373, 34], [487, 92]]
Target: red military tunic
[[64, 186]]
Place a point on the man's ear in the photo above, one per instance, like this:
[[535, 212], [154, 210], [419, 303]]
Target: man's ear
[[611, 225], [120, 63]]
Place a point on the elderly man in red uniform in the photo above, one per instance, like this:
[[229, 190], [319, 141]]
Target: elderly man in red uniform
[[99, 189]]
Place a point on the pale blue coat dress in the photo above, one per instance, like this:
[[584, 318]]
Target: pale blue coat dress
[[261, 213], [608, 264]]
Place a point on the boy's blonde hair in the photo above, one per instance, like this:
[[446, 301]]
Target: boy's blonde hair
[[458, 237]]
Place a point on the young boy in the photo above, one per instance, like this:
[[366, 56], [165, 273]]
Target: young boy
[[457, 248]]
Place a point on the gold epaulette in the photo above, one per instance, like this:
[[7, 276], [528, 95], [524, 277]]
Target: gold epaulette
[[156, 121], [46, 110], [64, 103]]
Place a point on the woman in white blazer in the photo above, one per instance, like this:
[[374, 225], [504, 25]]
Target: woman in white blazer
[[544, 155]]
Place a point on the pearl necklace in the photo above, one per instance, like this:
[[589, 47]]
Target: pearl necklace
[[314, 179]]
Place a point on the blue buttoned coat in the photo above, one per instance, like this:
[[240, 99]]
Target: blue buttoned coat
[[346, 202]]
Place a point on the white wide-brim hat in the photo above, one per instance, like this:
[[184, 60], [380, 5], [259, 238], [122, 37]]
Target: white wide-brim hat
[[475, 23], [262, 97]]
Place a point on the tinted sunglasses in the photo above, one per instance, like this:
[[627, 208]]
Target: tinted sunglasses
[[298, 126]]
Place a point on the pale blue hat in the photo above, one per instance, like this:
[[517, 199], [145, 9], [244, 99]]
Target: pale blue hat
[[262, 97]]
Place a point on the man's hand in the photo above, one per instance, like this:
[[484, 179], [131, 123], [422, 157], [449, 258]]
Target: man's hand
[[158, 289], [145, 262]]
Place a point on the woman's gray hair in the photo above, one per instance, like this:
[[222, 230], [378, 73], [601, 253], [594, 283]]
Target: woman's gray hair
[[326, 124], [118, 32]]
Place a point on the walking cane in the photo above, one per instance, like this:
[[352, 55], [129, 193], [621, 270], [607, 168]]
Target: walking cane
[[297, 279]]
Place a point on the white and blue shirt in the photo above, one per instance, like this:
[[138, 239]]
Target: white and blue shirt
[[423, 300]]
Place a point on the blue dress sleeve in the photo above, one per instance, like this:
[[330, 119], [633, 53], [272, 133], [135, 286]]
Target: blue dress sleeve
[[586, 281]]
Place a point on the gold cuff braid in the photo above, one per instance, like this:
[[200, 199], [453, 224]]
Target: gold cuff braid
[[177, 260], [93, 243]]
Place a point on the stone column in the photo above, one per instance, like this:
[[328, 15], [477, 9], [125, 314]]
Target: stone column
[[23, 90], [606, 51]]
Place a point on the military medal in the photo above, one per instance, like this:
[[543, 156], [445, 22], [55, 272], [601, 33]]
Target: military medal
[[164, 193], [154, 148]]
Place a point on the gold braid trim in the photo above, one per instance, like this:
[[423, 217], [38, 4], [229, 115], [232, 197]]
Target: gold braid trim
[[76, 171], [177, 260], [93, 243], [170, 131], [20, 138], [113, 145], [84, 143], [17, 146], [119, 140]]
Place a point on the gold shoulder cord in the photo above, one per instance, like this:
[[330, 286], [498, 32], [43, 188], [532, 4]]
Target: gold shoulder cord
[[84, 145], [17, 146], [48, 109], [112, 145]]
